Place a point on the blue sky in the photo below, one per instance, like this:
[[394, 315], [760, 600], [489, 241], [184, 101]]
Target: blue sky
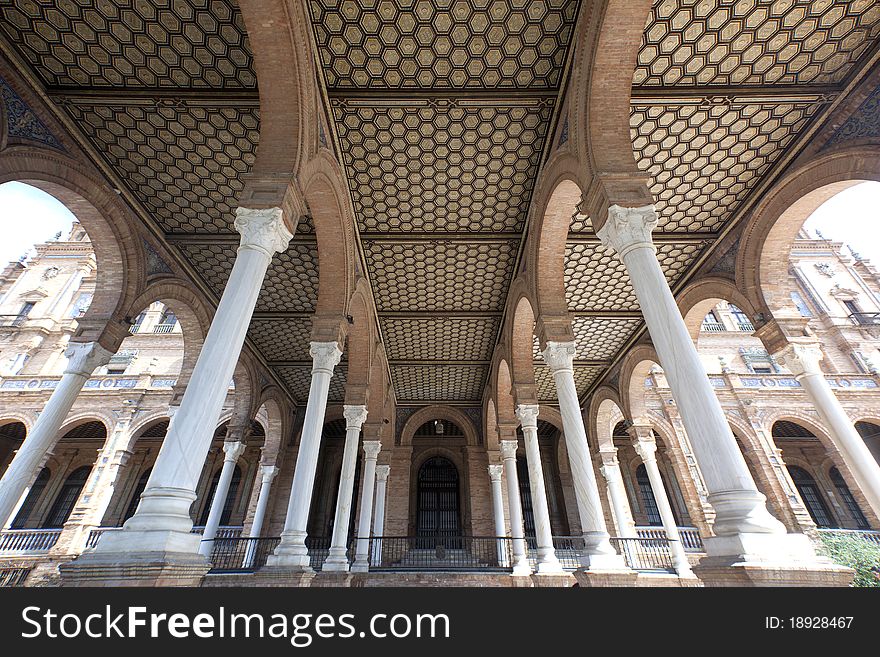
[[31, 216]]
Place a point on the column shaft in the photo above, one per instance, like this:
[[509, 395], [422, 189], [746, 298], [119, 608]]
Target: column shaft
[[617, 494], [495, 472], [267, 473], [361, 561], [382, 472], [520, 558], [232, 450], [336, 559], [83, 359], [292, 550]]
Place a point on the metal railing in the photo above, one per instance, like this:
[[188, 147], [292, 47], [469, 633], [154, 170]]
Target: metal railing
[[747, 327], [10, 577], [241, 555], [646, 554], [713, 327], [690, 536], [866, 534], [163, 328], [17, 541], [446, 553], [865, 319], [568, 550], [222, 532]]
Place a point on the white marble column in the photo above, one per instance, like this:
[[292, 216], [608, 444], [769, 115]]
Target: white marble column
[[514, 508], [291, 551], [371, 453], [495, 472], [598, 554], [803, 359], [232, 450], [382, 472], [742, 523], [610, 469], [355, 416], [547, 561], [162, 521], [646, 448], [267, 474], [83, 358]]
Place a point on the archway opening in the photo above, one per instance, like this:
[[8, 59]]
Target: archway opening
[[12, 435], [438, 510]]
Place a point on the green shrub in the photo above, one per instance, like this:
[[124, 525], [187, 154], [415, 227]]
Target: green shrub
[[855, 552]]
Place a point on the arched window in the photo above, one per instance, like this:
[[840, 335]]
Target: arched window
[[136, 496], [438, 500], [32, 498], [652, 511], [231, 496], [811, 495], [846, 495], [66, 498]]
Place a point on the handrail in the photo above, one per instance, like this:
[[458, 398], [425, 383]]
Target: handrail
[[16, 541]]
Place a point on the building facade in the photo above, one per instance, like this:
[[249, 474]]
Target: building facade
[[467, 292]]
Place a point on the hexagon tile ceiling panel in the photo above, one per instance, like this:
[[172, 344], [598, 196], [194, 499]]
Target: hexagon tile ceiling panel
[[442, 110], [755, 42], [131, 43]]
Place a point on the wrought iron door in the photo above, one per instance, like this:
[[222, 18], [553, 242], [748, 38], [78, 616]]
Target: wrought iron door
[[438, 499]]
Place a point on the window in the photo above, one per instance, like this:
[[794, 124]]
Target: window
[[525, 496], [136, 496], [652, 511], [711, 323], [801, 305], [32, 498], [812, 496], [848, 499], [82, 305], [757, 360], [852, 307], [743, 323], [119, 362], [66, 498], [166, 322], [137, 323]]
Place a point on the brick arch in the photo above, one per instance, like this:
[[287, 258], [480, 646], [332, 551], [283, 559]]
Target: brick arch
[[194, 318], [604, 414], [504, 394], [698, 298], [490, 425], [279, 36], [361, 342], [556, 199], [635, 369], [137, 429], [118, 253], [275, 426], [520, 337], [760, 273], [325, 191], [12, 416], [377, 386], [603, 67], [439, 412], [82, 417]]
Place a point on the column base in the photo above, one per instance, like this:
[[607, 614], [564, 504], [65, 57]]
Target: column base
[[522, 569], [336, 563], [360, 564], [140, 569], [291, 553], [132, 542], [603, 562], [767, 560], [605, 578]]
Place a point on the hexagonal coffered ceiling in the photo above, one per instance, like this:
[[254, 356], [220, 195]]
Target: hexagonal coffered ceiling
[[442, 113]]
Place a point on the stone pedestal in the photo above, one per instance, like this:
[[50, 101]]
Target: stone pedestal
[[596, 578], [139, 569]]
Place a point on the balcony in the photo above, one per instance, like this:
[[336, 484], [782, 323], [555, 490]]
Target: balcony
[[690, 536], [18, 542], [868, 535], [865, 319], [12, 321], [712, 327], [164, 328]]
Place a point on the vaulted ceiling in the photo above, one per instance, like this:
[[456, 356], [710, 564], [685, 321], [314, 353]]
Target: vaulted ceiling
[[443, 114]]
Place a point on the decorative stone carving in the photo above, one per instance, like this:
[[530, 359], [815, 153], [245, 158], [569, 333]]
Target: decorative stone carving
[[527, 415], [508, 449], [382, 472], [495, 472], [628, 228], [262, 229], [325, 356], [801, 358], [354, 416], [84, 357], [560, 355], [372, 449]]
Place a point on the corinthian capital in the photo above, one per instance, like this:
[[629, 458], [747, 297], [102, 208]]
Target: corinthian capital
[[84, 357], [496, 470], [325, 356], [628, 228], [382, 472], [372, 449], [646, 449], [262, 229], [528, 415], [508, 449], [560, 355], [233, 450], [354, 416], [801, 358]]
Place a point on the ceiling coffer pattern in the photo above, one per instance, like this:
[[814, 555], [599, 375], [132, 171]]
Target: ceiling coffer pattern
[[132, 43], [440, 275], [596, 338], [282, 339], [183, 162], [438, 382], [596, 279], [435, 44], [545, 386], [298, 380], [291, 283], [704, 157], [443, 338], [442, 164], [755, 42]]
